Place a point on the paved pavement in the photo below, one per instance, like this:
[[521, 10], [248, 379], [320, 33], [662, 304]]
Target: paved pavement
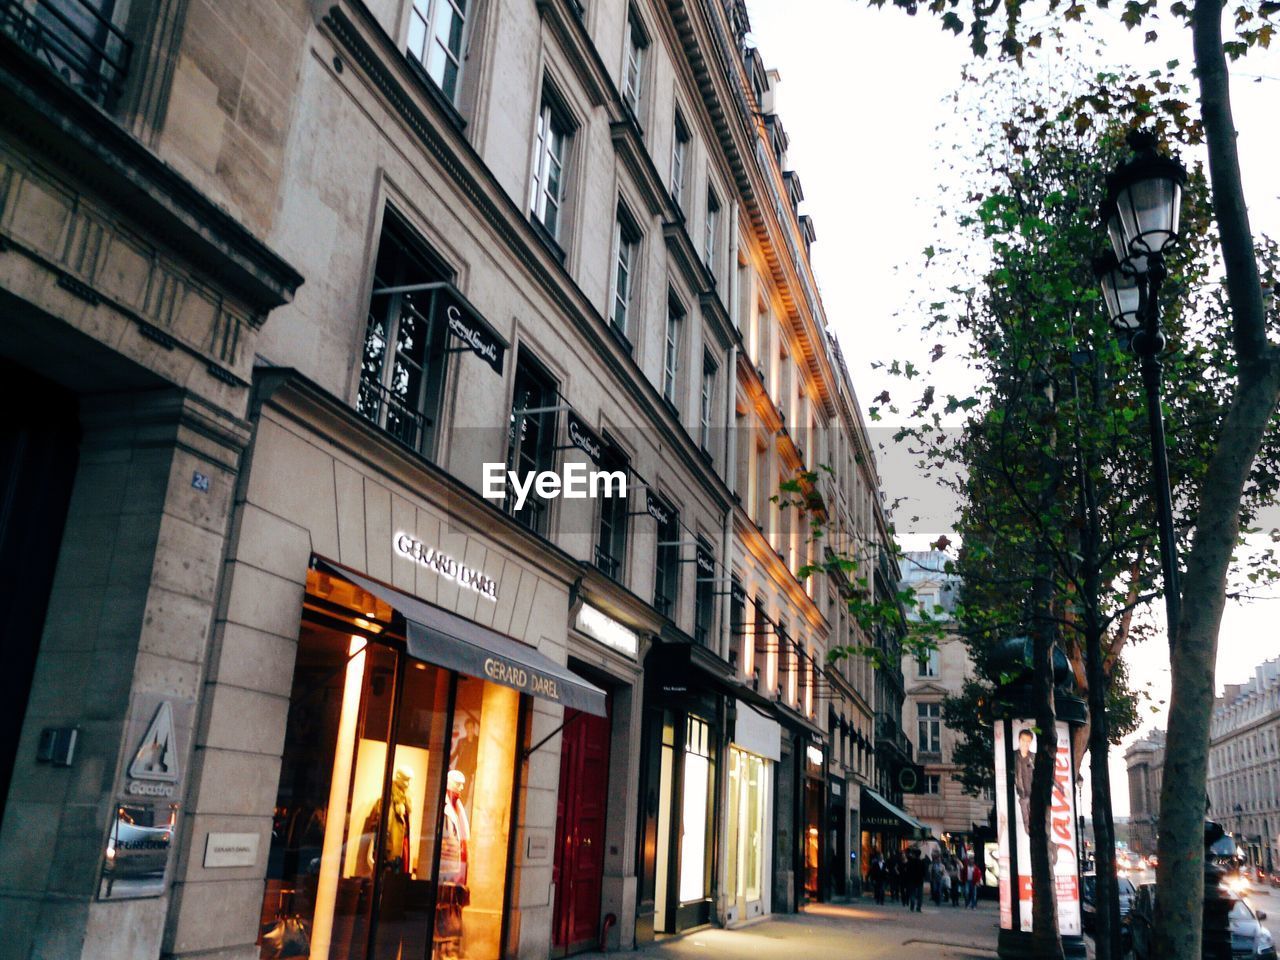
[[860, 931]]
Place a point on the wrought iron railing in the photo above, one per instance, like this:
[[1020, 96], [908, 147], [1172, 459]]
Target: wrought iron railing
[[662, 603], [389, 412], [607, 564], [78, 41]]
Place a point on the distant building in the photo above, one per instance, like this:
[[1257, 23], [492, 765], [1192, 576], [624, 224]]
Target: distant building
[[942, 805], [1145, 762], [1244, 764]]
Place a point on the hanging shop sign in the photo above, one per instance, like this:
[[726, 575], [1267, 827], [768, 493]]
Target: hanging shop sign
[[656, 507], [586, 439], [598, 625], [706, 564], [465, 323], [446, 566], [739, 594]]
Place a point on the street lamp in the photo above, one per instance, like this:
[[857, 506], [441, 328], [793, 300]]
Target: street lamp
[[1140, 215]]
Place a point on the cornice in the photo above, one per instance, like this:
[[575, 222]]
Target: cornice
[[571, 32], [630, 148], [88, 143]]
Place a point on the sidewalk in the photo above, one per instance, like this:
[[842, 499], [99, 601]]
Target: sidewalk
[[857, 931]]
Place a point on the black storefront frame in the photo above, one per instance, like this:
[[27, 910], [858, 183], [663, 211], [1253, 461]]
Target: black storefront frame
[[669, 694], [396, 644]]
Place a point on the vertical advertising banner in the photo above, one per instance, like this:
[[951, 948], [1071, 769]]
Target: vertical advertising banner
[[1062, 824], [1003, 869]]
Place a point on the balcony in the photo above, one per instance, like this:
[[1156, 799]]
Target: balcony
[[609, 565], [389, 411], [891, 734], [75, 40]]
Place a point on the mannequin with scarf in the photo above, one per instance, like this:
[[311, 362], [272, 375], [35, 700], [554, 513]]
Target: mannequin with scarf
[[452, 894], [396, 845]]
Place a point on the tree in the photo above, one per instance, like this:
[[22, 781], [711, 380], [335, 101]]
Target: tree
[[1057, 525], [1230, 458]]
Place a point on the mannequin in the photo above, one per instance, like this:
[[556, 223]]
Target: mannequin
[[396, 844], [452, 894]]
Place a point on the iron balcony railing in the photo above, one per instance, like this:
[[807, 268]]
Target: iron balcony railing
[[78, 41], [607, 564], [389, 412], [889, 731]]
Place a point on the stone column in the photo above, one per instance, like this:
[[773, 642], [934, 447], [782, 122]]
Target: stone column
[[129, 617]]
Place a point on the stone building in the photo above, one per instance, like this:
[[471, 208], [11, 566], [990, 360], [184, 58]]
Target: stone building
[[289, 666], [1144, 761], [1244, 764], [941, 804]]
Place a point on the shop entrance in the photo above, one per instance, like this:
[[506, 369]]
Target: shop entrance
[[39, 449], [580, 828], [812, 839]]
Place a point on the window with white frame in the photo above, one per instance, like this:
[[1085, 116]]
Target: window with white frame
[[706, 407], [933, 784], [626, 242], [550, 160], [929, 727], [679, 159], [437, 29], [711, 231], [637, 42], [927, 664], [671, 350]]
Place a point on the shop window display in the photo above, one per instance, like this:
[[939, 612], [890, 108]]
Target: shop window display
[[394, 805]]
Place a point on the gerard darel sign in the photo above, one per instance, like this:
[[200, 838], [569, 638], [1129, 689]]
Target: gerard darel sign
[[437, 561]]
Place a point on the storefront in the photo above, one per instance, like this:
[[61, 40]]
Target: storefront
[[375, 771], [684, 724], [886, 827], [753, 754], [837, 885], [813, 852]]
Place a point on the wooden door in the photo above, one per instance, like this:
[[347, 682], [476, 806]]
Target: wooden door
[[580, 831]]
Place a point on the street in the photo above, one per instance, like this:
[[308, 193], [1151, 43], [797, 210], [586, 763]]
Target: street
[[840, 931]]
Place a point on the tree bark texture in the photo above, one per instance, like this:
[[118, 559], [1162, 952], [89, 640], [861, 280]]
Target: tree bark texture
[[1180, 874]]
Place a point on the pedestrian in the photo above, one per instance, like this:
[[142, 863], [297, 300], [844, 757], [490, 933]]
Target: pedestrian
[[954, 883], [877, 876], [972, 876], [936, 875], [914, 871]]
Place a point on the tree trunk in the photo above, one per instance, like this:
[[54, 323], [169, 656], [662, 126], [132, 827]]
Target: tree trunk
[[1180, 874], [1106, 891], [1046, 941]]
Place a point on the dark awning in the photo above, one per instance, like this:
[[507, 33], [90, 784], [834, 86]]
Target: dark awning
[[878, 815], [448, 640]]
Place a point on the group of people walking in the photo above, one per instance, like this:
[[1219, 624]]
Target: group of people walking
[[903, 875]]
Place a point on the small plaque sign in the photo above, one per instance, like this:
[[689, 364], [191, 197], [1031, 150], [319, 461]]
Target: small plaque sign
[[231, 850], [538, 847]]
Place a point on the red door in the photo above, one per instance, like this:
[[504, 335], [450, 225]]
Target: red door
[[580, 821]]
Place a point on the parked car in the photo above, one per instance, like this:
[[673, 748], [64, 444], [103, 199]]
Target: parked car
[[1089, 904], [1249, 938]]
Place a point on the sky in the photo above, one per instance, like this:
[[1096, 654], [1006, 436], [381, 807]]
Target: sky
[[863, 95]]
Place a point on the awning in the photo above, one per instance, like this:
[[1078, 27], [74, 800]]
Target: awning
[[448, 640], [878, 815]]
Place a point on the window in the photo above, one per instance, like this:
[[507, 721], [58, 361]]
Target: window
[[679, 158], [929, 725], [671, 351], [550, 155], [436, 29], [704, 617], [633, 64], [666, 580], [531, 437], [403, 364], [706, 407], [611, 544], [712, 231], [927, 665], [765, 650], [933, 784], [626, 240], [79, 40]]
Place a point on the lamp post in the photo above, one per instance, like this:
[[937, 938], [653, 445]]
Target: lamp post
[[1141, 217]]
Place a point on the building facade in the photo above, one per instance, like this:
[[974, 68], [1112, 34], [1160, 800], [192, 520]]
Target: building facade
[[1244, 764], [291, 668], [1144, 761], [950, 814]]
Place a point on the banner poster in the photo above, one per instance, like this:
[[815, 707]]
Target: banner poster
[[1003, 871], [1062, 826]]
